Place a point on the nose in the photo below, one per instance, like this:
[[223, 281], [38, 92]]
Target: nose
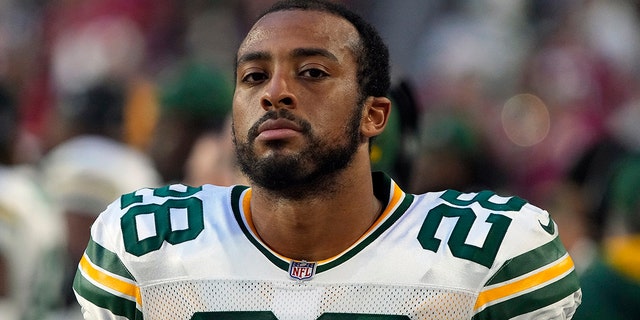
[[277, 94]]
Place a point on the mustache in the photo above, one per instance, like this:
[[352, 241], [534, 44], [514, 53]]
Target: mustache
[[279, 114]]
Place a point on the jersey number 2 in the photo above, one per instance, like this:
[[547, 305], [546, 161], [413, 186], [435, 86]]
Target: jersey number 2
[[458, 208]]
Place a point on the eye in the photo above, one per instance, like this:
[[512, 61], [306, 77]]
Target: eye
[[314, 73], [254, 77]]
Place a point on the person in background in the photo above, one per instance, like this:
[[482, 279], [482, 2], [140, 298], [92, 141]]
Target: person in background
[[212, 159], [31, 230], [91, 166], [194, 101], [452, 154], [316, 234], [611, 284]]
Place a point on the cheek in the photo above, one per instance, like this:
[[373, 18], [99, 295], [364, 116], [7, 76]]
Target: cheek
[[342, 114], [241, 117], [334, 126], [240, 125]]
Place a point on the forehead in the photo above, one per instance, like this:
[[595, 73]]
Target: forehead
[[299, 28]]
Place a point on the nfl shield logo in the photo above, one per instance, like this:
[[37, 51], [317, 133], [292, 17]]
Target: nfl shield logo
[[302, 270]]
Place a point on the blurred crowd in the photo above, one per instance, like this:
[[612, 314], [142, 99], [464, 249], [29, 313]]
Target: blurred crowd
[[535, 98]]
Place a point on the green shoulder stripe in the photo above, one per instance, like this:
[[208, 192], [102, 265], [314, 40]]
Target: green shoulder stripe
[[531, 301], [103, 299], [107, 260], [529, 261]]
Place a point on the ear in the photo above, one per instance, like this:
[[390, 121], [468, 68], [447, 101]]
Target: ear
[[376, 114]]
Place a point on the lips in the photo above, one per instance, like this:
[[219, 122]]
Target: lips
[[276, 124], [278, 129]]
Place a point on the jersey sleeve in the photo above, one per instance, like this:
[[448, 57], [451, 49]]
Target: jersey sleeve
[[103, 285], [539, 282]]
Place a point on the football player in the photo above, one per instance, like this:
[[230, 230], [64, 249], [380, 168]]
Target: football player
[[316, 234]]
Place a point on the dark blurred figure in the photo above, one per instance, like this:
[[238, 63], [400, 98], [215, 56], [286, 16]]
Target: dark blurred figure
[[392, 151], [582, 200], [91, 165], [452, 153], [592, 173], [194, 100], [611, 285], [212, 159], [31, 231], [9, 127]]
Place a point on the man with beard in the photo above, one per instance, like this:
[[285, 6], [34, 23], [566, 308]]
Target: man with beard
[[317, 235]]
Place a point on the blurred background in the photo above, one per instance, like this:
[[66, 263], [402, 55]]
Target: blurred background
[[535, 98]]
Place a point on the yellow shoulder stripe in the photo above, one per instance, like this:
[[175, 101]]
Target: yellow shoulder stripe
[[110, 282], [490, 295]]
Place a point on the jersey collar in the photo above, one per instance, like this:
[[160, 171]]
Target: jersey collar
[[385, 189]]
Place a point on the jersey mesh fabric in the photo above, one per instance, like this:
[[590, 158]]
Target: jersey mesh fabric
[[301, 300]]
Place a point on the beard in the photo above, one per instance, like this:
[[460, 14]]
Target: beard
[[296, 176]]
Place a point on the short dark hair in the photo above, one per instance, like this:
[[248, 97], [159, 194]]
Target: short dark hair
[[97, 109], [372, 55]]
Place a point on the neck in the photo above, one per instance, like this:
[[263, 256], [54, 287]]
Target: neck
[[318, 225]]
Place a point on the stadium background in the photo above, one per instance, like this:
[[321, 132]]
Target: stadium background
[[537, 98]]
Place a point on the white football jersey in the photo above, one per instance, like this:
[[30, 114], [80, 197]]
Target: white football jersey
[[181, 252], [32, 239]]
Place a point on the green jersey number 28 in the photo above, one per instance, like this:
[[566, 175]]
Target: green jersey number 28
[[459, 208], [178, 203]]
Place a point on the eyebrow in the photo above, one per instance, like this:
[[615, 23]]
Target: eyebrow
[[310, 52], [296, 53], [253, 56]]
